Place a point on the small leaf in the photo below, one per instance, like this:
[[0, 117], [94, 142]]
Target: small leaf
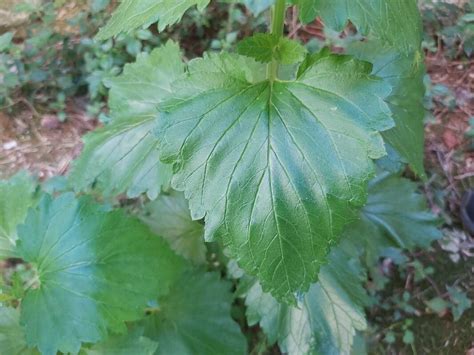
[[265, 47], [261, 47], [169, 217], [195, 318], [396, 216], [5, 40], [131, 343], [408, 337], [290, 51], [390, 337], [17, 196], [132, 14], [122, 156], [460, 302], [437, 304], [276, 169], [325, 320], [96, 270]]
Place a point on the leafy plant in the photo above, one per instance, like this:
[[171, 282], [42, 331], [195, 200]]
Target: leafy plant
[[279, 155], [450, 25], [55, 61]]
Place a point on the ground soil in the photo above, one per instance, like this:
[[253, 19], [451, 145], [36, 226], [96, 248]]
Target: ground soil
[[40, 143]]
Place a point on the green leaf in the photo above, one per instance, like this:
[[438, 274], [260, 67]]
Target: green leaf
[[195, 318], [169, 217], [122, 156], [276, 169], [404, 72], [437, 304], [265, 47], [12, 337], [6, 40], [132, 14], [325, 320], [396, 216], [261, 47], [394, 22], [96, 270], [460, 302], [289, 51], [131, 343], [408, 337], [17, 195]]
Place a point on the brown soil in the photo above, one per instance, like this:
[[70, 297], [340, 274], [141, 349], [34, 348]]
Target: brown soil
[[449, 151], [40, 143]]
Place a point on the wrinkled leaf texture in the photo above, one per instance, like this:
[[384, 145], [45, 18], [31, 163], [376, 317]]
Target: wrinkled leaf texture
[[96, 270], [277, 170], [122, 156]]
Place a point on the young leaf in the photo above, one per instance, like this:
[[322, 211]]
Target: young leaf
[[404, 72], [265, 47], [131, 343], [17, 195], [261, 47], [96, 270], [132, 14], [396, 215], [394, 22], [195, 318], [12, 337], [289, 51], [325, 320], [277, 168], [169, 217], [123, 155]]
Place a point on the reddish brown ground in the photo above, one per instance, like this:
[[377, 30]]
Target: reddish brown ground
[[39, 142]]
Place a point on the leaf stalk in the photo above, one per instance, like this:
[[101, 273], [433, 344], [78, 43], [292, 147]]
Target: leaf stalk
[[277, 28]]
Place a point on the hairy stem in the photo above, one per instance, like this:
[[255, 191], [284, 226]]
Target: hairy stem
[[278, 24]]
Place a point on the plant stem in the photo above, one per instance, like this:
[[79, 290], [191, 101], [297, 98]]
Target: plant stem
[[278, 25]]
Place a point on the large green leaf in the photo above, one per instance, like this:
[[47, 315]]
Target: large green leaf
[[404, 72], [276, 169], [132, 14], [195, 318], [395, 22], [131, 343], [169, 217], [396, 216], [325, 320], [122, 156], [96, 270], [12, 337], [16, 196]]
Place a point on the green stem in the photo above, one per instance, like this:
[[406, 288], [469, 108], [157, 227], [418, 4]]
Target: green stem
[[278, 25]]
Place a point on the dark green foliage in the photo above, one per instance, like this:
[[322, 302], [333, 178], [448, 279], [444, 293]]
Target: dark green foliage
[[281, 210]]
